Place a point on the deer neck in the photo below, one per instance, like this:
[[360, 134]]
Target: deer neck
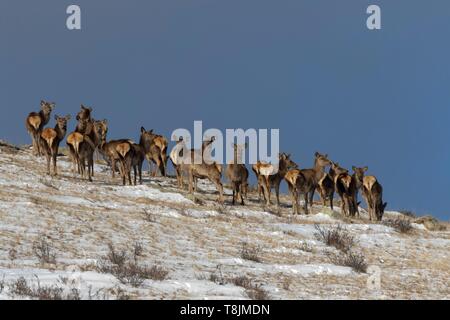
[[282, 168], [319, 170], [60, 132], [44, 116]]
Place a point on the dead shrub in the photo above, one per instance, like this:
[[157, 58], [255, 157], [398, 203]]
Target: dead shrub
[[249, 252], [128, 271], [399, 224], [21, 287], [337, 237], [354, 260], [44, 251]]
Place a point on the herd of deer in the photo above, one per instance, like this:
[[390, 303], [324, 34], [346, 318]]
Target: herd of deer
[[90, 135]]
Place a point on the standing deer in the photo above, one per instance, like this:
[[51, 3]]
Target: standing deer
[[358, 175], [175, 155], [50, 140], [306, 181], [373, 194], [90, 142], [267, 179], [35, 123], [74, 139], [206, 169], [152, 145], [237, 174], [298, 184], [345, 185]]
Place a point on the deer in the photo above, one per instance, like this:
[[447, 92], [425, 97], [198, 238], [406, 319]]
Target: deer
[[306, 181], [206, 169], [345, 185], [131, 155], [50, 140], [298, 184], [74, 139], [373, 194], [152, 145], [35, 123], [175, 155], [91, 140], [358, 175], [237, 174], [268, 180]]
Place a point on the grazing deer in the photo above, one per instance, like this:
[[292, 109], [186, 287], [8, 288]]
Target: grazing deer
[[268, 180], [345, 185], [35, 123], [152, 144], [50, 140], [373, 194], [237, 174]]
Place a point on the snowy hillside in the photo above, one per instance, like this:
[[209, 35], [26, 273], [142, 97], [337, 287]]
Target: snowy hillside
[[56, 232]]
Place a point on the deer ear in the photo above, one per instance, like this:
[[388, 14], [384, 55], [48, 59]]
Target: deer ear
[[384, 205], [142, 130], [68, 117], [56, 117], [151, 131], [316, 154], [42, 102], [365, 169], [105, 121]]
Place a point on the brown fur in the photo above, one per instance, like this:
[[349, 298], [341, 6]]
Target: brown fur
[[50, 140], [345, 185], [373, 194], [237, 174], [35, 123], [155, 148]]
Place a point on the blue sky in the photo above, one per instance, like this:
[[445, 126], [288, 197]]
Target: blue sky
[[310, 68]]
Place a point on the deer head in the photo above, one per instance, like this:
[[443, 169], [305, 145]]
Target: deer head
[[47, 107], [84, 114]]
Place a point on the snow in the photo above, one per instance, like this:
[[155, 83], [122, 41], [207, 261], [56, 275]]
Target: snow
[[194, 240]]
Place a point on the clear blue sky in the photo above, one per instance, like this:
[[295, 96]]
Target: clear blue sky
[[310, 68]]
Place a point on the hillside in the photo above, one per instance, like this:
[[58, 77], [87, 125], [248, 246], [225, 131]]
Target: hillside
[[55, 233]]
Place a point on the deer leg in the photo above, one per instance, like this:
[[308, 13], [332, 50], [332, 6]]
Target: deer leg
[[54, 155], [135, 174], [305, 205], [277, 192], [220, 189], [241, 193], [48, 163], [331, 200]]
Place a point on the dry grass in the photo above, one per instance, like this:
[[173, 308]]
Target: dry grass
[[354, 260], [249, 252], [400, 224], [337, 237], [43, 250], [129, 271]]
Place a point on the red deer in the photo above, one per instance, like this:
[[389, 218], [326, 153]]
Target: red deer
[[373, 194], [131, 155], [50, 140], [358, 175], [237, 174], [175, 155], [268, 180], [35, 123], [345, 185], [204, 170], [306, 181], [91, 140], [155, 148]]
